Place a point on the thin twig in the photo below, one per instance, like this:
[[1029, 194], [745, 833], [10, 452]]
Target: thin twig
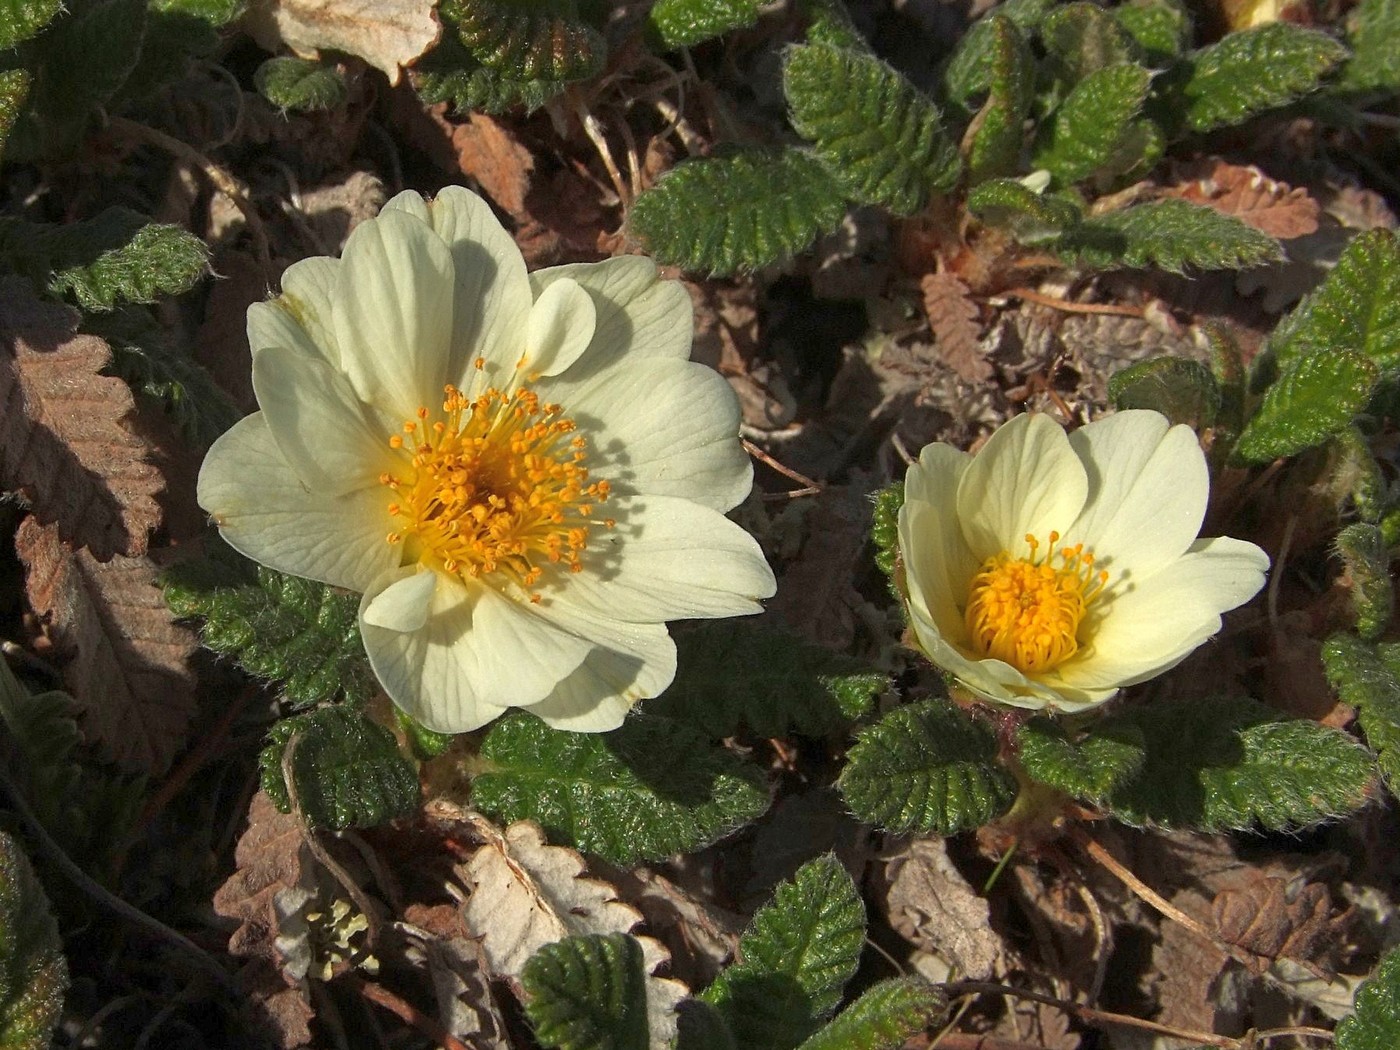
[[406, 1012], [1298, 1031], [1071, 307], [1101, 941], [594, 131], [809, 487]]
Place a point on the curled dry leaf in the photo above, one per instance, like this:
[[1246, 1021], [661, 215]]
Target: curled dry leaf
[[1249, 195], [1273, 918], [64, 442], [953, 317], [388, 34], [127, 661]]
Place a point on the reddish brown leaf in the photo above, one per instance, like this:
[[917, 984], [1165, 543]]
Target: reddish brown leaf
[[1249, 195], [953, 317], [1273, 918], [272, 856], [126, 658], [490, 153], [63, 436]]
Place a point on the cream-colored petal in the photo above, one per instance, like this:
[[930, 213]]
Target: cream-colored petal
[[597, 696], [477, 654], [265, 512], [308, 289], [559, 328], [404, 604], [639, 315], [660, 426], [928, 479], [667, 559], [393, 313], [938, 565], [272, 324], [989, 679], [1025, 481], [411, 203], [323, 430], [1148, 487]]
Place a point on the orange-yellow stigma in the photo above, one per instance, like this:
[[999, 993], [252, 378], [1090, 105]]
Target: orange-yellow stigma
[[495, 487], [1027, 611]]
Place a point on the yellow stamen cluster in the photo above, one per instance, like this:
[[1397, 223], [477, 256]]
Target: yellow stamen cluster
[[496, 486], [1027, 611]]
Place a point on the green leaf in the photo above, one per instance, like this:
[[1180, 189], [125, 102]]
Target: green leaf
[[969, 71], [740, 212], [1373, 30], [1316, 397], [82, 61], [1376, 1023], [1169, 234], [211, 12], [881, 137], [1183, 390], [1367, 561], [830, 23], [138, 262], [795, 958], [652, 788], [1358, 477], [699, 1026], [299, 84], [1092, 122], [685, 23], [14, 91], [425, 742], [1030, 217], [1356, 308], [884, 527], [997, 134], [1082, 38], [926, 767], [1088, 767], [449, 73], [588, 993], [22, 19], [284, 628], [348, 770], [33, 972], [527, 40], [1162, 28], [1368, 678], [1217, 764], [884, 1018], [734, 674], [1248, 73]]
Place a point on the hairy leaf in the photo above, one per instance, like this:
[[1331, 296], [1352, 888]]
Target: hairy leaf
[[1170, 235], [733, 673], [685, 23], [1183, 390], [299, 84], [1088, 767], [1316, 397], [1216, 764], [1358, 476], [884, 527], [1376, 1023], [1367, 561], [82, 61], [955, 321], [1091, 124], [996, 136], [449, 73], [588, 993], [33, 972], [1082, 38], [738, 212], [1162, 28], [829, 22], [887, 1015], [1373, 27], [649, 789], [21, 19], [969, 71], [348, 771], [794, 959], [141, 266], [1030, 217], [880, 136], [14, 91], [926, 767], [1368, 678], [528, 39]]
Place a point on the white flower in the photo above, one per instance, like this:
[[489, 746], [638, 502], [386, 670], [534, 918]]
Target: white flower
[[524, 474], [1051, 570]]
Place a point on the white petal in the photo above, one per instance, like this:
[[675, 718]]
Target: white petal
[[639, 315], [308, 287], [938, 565], [597, 696], [560, 328], [929, 479], [660, 426], [477, 654], [1025, 480], [321, 427], [404, 604], [410, 203], [1148, 487], [393, 312], [990, 679], [265, 512], [667, 559]]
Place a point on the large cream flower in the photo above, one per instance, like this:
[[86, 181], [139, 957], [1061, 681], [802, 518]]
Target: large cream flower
[[524, 474], [1051, 570]]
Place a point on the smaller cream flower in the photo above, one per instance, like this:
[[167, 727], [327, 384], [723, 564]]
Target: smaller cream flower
[[1052, 570]]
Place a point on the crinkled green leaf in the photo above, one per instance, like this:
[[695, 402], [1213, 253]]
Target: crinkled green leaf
[[969, 71], [881, 137], [829, 22], [1091, 124], [1162, 28], [299, 632], [1368, 678], [33, 972], [1089, 765], [1356, 308], [652, 788], [685, 23], [527, 40], [884, 526], [140, 265], [1030, 217], [14, 90], [794, 959], [1358, 476], [738, 212], [1183, 390], [348, 770], [1373, 34], [733, 674], [1218, 764], [1316, 397], [1376, 1023], [426, 743], [1250, 72], [699, 1026], [22, 19], [1170, 235], [299, 84], [1082, 38], [884, 1018], [588, 993], [450, 73], [926, 767], [997, 134], [81, 62], [211, 12], [1367, 561]]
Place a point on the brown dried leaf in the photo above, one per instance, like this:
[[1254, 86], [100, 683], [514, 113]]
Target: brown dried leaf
[[1249, 195], [127, 659], [494, 156], [815, 594], [388, 34], [1272, 918], [953, 317], [63, 436]]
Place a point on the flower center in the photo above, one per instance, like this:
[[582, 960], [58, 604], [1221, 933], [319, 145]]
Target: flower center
[[1027, 611], [497, 486]]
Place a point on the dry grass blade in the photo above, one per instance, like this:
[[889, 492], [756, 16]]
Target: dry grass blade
[[953, 316], [63, 438]]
